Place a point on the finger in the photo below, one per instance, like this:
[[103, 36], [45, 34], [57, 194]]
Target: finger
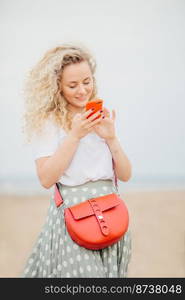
[[106, 112], [95, 115], [113, 115], [87, 113], [95, 122]]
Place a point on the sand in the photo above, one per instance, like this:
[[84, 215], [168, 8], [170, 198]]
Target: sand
[[157, 223]]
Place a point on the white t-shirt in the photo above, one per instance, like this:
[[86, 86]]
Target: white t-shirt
[[92, 160]]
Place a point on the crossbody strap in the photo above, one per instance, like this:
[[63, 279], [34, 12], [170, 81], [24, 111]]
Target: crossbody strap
[[58, 196], [115, 176]]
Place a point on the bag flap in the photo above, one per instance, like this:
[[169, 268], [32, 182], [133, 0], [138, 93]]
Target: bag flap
[[84, 209]]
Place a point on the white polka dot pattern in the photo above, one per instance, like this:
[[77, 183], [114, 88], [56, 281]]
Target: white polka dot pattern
[[56, 255]]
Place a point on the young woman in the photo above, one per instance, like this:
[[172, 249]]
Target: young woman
[[76, 152]]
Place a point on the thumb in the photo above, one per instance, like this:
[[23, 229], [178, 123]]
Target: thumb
[[113, 115]]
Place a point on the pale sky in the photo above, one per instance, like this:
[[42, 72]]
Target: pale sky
[[139, 46]]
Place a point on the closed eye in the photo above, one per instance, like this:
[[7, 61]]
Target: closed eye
[[72, 87]]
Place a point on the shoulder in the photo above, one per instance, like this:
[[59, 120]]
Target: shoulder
[[49, 131], [49, 124], [45, 142], [50, 127]]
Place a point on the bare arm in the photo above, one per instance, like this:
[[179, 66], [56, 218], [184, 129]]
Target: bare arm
[[50, 169], [106, 130], [122, 164]]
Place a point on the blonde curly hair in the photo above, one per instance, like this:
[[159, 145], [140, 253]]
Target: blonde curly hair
[[42, 88]]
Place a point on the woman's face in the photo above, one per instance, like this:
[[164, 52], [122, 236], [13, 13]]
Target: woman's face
[[77, 85]]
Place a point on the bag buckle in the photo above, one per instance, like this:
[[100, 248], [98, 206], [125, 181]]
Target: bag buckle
[[99, 216]]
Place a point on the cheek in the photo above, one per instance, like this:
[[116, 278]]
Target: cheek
[[68, 92], [90, 87]]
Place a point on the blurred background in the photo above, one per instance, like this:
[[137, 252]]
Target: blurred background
[[140, 51]]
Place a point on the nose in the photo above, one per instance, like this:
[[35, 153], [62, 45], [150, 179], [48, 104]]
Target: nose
[[81, 90]]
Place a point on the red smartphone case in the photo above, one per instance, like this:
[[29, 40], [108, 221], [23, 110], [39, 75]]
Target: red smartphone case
[[96, 105]]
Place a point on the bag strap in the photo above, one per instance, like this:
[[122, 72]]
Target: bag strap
[[58, 196], [115, 176]]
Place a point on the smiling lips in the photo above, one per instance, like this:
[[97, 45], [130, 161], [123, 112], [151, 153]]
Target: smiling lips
[[81, 99]]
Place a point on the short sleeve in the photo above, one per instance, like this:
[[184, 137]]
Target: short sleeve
[[46, 142]]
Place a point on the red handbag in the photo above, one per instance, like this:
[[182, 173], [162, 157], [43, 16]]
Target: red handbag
[[97, 222]]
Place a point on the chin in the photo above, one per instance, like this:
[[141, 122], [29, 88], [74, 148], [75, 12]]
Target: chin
[[81, 103]]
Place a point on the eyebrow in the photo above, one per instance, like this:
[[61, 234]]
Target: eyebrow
[[76, 81]]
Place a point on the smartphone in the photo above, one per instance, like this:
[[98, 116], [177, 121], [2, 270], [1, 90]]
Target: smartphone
[[97, 104]]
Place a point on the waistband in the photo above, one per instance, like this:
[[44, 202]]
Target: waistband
[[88, 184]]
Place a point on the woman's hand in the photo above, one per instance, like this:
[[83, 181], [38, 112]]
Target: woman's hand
[[106, 128], [81, 125]]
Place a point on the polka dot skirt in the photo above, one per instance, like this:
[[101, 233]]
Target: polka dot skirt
[[56, 255]]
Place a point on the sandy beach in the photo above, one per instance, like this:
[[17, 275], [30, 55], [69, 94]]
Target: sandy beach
[[157, 223]]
